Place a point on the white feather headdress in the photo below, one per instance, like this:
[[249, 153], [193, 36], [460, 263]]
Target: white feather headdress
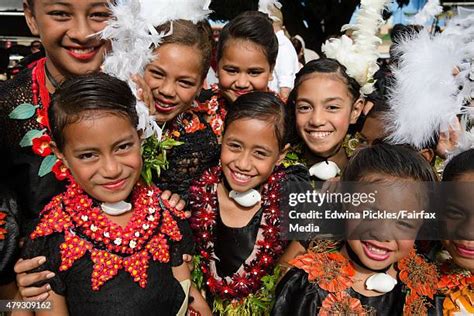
[[359, 54], [133, 37], [425, 99], [268, 6], [431, 9]]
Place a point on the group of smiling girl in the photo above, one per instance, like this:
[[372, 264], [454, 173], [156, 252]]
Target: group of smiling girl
[[95, 258]]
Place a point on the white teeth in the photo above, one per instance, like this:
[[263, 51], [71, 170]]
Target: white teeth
[[82, 51], [376, 250], [320, 134], [241, 176]]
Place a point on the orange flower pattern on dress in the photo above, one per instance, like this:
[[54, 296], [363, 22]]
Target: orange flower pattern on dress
[[457, 285], [341, 303], [331, 271]]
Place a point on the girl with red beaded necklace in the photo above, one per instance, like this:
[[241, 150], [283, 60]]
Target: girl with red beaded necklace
[[236, 208], [119, 243]]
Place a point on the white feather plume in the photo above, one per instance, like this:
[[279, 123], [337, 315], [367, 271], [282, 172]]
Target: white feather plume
[[359, 54], [267, 7], [423, 100], [133, 36], [431, 9]]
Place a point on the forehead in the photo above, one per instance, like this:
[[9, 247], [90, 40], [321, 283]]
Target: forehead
[[323, 85], [246, 129], [183, 58], [244, 50], [71, 3]]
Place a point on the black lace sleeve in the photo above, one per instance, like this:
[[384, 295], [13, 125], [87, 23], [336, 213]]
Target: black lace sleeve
[[49, 247], [9, 236], [184, 246]]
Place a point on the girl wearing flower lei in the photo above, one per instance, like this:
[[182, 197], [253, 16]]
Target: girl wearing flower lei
[[236, 209], [376, 269], [118, 241], [246, 54], [456, 285]]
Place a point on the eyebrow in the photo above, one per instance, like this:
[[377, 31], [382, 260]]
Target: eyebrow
[[258, 146], [68, 4], [121, 140]]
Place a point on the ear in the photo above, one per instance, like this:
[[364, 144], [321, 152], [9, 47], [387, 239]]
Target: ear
[[58, 153], [30, 19], [428, 154], [283, 153], [356, 110]]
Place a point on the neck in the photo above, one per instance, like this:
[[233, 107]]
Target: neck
[[53, 77], [339, 157]]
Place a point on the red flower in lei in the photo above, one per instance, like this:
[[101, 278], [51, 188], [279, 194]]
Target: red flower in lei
[[130, 248], [203, 202], [3, 231], [215, 108], [41, 145], [421, 278]]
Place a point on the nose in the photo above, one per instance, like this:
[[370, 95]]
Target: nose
[[318, 117], [111, 167], [242, 81], [380, 230], [167, 89], [81, 30], [243, 162]]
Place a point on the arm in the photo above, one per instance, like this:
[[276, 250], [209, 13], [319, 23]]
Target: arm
[[198, 303], [59, 306]]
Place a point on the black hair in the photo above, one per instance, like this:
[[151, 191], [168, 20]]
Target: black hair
[[459, 165], [185, 32], [392, 160], [263, 106], [251, 26], [325, 66], [82, 96]]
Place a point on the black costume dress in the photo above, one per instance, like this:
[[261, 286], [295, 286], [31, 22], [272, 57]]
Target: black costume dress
[[120, 295], [9, 235], [297, 296]]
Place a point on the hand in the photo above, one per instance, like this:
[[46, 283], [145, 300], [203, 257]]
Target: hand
[[448, 140], [188, 259], [25, 279], [144, 93], [175, 201]]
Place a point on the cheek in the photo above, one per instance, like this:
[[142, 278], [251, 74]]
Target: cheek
[[301, 120], [260, 83]]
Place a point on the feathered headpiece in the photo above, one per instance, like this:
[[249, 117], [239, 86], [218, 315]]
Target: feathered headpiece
[[427, 97], [431, 9], [268, 7], [359, 55], [133, 37]]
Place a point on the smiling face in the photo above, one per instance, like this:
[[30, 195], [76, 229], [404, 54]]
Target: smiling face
[[66, 28], [243, 68], [102, 151], [175, 79], [248, 161], [324, 109], [378, 243], [459, 219]]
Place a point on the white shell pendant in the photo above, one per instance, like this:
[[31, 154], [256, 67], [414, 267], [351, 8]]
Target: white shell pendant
[[324, 170], [246, 199], [115, 209], [380, 282]]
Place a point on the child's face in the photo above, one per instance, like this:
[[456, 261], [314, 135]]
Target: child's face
[[65, 28], [378, 243], [247, 161], [373, 129], [324, 111], [102, 151], [459, 219], [242, 68], [175, 79]]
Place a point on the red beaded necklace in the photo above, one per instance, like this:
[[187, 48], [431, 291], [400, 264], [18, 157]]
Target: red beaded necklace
[[111, 247], [268, 247]]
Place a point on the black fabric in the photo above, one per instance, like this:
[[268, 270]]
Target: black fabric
[[8, 245], [20, 165], [235, 245], [199, 152], [118, 296], [297, 296]]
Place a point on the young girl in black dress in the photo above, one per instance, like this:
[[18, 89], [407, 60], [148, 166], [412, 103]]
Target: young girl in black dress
[[112, 242]]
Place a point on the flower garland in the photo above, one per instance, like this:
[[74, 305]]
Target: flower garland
[[457, 285], [269, 246], [215, 108], [39, 139], [3, 222], [334, 273], [111, 247]]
